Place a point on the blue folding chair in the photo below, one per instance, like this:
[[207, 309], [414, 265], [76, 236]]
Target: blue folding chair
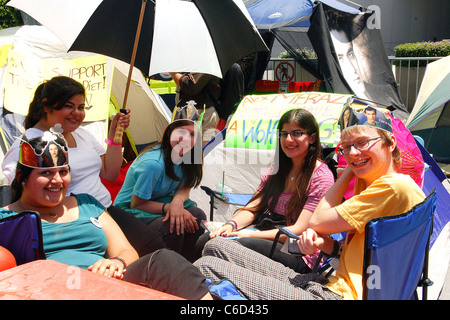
[[396, 253], [21, 234], [230, 198]]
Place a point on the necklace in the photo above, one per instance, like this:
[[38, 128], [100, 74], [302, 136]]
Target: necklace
[[51, 214]]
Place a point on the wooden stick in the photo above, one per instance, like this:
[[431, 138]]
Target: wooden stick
[[119, 129]]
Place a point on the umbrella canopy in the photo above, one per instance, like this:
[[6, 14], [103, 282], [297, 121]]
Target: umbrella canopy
[[430, 117], [205, 36]]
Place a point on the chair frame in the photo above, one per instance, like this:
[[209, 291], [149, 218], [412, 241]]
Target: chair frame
[[424, 281]]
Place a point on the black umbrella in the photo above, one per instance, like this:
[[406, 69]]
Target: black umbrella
[[205, 36]]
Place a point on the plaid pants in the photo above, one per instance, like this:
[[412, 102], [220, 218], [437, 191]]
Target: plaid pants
[[257, 277]]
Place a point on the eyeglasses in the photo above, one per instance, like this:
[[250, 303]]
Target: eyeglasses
[[294, 134], [360, 145]]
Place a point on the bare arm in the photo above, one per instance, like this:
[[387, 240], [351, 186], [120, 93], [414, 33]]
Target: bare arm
[[117, 247], [326, 220], [112, 159]]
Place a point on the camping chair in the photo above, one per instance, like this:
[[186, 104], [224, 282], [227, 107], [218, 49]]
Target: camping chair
[[396, 253], [230, 198], [330, 264], [21, 234]]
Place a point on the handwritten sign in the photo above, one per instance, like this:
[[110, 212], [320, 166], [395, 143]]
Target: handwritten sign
[[25, 73], [254, 124]]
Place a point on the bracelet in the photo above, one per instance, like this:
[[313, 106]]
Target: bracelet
[[119, 259], [163, 208], [232, 223], [178, 198], [110, 142]]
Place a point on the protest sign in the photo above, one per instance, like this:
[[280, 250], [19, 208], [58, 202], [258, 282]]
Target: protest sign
[[25, 73]]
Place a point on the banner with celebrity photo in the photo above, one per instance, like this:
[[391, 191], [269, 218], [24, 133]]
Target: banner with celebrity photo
[[352, 57]]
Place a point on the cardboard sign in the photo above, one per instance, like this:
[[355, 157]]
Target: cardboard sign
[[254, 124], [24, 74]]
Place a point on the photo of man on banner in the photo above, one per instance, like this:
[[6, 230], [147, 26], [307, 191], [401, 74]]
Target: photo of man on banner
[[355, 114]]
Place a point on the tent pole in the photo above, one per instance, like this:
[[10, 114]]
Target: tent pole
[[119, 130]]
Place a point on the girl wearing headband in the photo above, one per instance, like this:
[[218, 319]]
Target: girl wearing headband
[[77, 230]]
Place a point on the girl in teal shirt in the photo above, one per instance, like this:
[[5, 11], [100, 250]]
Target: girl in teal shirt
[[157, 186]]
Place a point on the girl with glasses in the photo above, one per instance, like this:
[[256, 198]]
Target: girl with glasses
[[288, 193]]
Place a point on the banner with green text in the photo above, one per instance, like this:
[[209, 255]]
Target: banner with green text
[[254, 124]]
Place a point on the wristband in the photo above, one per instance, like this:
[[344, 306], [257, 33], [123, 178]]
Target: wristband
[[232, 223], [119, 259], [112, 143], [163, 208]]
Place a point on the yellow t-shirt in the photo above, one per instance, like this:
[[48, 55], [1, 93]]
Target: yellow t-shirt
[[389, 195]]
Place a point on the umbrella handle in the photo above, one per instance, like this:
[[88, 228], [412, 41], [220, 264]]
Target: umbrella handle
[[118, 135], [119, 130]]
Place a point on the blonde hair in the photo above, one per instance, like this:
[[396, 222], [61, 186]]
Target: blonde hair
[[386, 138]]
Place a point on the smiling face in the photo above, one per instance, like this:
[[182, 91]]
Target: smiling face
[[182, 139], [70, 116], [371, 116], [295, 148], [371, 162], [46, 187]]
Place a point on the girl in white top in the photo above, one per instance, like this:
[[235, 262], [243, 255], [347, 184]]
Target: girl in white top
[[60, 103]]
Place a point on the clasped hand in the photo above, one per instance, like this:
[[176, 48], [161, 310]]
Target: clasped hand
[[180, 218], [310, 241]]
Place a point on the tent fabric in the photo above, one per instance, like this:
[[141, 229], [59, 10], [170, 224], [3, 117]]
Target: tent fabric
[[274, 14], [433, 94], [270, 14], [430, 117], [288, 22], [439, 258]]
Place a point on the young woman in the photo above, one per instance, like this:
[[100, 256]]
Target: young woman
[[61, 100], [158, 183], [288, 193], [78, 231]]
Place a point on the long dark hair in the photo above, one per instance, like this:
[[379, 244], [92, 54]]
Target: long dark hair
[[192, 163], [274, 186], [52, 94]]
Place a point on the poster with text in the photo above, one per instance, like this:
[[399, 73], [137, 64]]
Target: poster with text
[[24, 74]]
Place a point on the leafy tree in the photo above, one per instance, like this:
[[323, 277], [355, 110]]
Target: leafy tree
[[9, 17]]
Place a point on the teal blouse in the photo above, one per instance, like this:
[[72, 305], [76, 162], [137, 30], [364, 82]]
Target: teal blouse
[[81, 242]]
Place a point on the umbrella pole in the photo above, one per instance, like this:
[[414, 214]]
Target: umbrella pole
[[119, 129]]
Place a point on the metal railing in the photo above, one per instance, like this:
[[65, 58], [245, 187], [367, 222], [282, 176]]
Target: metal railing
[[408, 73]]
